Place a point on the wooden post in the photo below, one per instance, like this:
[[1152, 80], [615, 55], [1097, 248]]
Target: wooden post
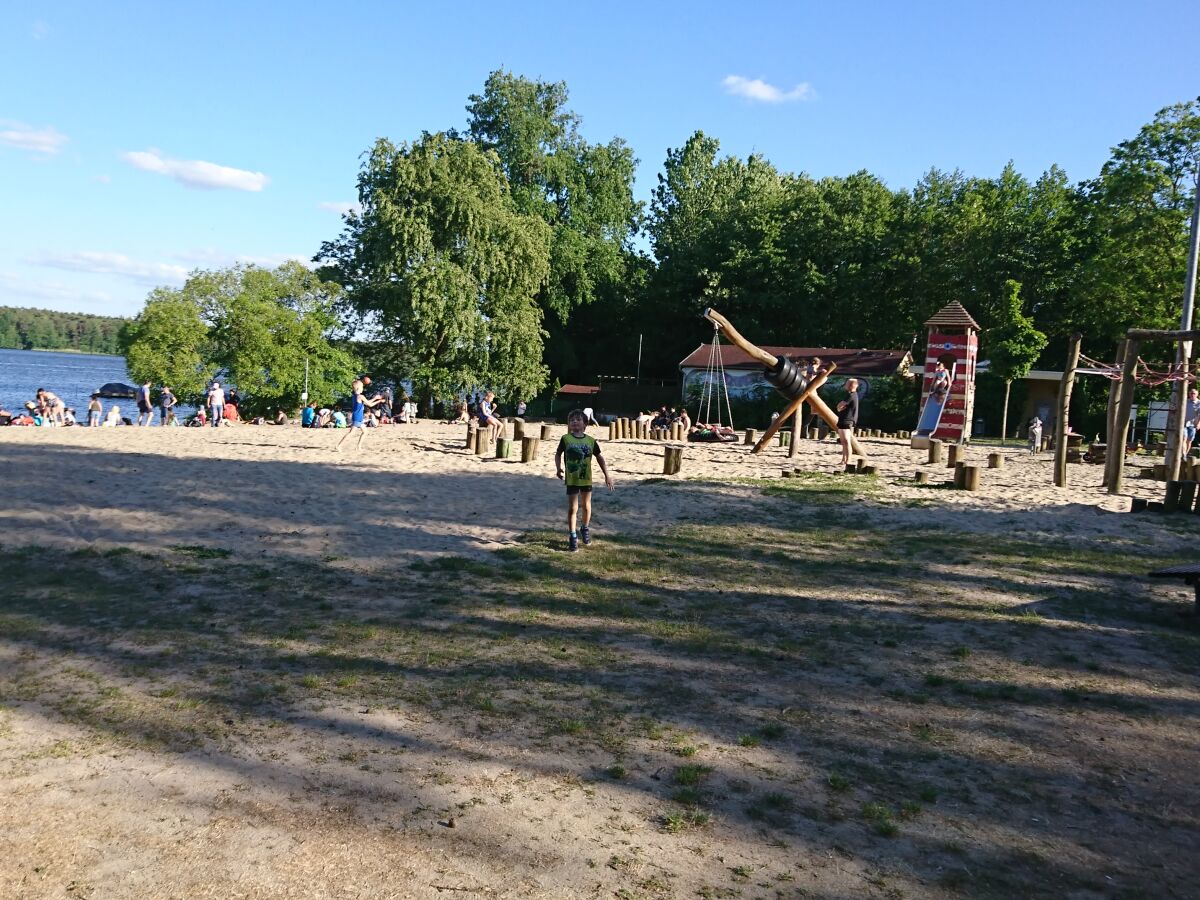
[[935, 451], [784, 438], [955, 456], [481, 442], [612, 431], [471, 436], [1187, 495], [1064, 412], [959, 469], [797, 429], [921, 477], [529, 449], [1114, 400], [503, 448], [1120, 433], [751, 436], [1171, 500], [547, 432], [518, 430], [995, 460], [672, 460], [970, 477]]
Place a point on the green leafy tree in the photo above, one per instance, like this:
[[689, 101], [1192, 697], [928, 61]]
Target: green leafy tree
[[1014, 345], [1136, 226], [168, 344], [441, 265], [254, 327], [582, 191]]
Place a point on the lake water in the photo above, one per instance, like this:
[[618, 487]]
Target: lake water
[[73, 376]]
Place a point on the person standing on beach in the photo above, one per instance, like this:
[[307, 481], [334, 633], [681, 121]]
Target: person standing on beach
[[216, 404], [579, 448], [166, 405], [358, 411], [145, 407], [847, 419], [95, 407]]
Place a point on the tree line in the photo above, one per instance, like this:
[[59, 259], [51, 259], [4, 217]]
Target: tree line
[[510, 253], [44, 329]]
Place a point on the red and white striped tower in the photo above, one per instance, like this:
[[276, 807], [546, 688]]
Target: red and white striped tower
[[953, 338]]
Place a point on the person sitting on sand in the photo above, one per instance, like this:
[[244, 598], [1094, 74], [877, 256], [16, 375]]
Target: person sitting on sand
[[113, 419], [463, 417], [231, 414], [280, 417], [308, 415]]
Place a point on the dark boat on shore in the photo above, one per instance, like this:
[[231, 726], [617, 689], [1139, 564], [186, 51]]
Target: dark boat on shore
[[117, 391]]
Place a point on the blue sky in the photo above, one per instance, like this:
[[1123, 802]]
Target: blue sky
[[139, 141]]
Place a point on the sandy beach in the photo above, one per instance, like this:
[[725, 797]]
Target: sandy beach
[[415, 491], [314, 678]]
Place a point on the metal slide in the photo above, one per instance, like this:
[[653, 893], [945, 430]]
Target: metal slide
[[931, 414]]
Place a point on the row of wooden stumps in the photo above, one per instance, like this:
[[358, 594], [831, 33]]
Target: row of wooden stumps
[[1181, 496], [966, 475], [480, 441], [632, 429]]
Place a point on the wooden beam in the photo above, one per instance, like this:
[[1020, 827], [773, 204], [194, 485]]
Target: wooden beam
[[736, 338], [1152, 334], [1119, 437], [1110, 421], [1064, 409]]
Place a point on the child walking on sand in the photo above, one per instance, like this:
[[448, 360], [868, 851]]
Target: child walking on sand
[[579, 448]]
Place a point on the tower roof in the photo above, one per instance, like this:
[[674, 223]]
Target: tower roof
[[953, 315]]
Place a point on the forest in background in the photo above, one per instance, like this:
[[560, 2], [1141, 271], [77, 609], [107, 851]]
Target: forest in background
[[44, 329]]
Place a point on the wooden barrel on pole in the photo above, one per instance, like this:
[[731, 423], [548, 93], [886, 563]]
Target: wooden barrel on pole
[[529, 449], [935, 451]]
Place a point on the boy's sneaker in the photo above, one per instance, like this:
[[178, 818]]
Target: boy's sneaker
[[586, 533], [572, 543]]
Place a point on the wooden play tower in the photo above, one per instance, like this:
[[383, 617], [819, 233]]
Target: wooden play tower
[[953, 340]]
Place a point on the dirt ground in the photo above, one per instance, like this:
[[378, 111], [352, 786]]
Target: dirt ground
[[749, 686]]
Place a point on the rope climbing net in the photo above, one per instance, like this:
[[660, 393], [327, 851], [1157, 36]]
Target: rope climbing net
[[1143, 373], [714, 372]]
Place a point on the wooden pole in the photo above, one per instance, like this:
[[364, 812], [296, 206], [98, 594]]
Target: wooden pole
[[797, 424], [735, 337], [529, 448], [1110, 421], [995, 460], [1064, 411], [935, 451], [1119, 437], [956, 455], [503, 448]]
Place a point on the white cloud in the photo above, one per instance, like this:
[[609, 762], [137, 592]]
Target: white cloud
[[100, 263], [196, 173], [25, 137], [761, 92], [209, 258], [62, 296], [341, 207], [40, 30]]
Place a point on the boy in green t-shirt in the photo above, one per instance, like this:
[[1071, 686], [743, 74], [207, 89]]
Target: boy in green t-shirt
[[579, 449]]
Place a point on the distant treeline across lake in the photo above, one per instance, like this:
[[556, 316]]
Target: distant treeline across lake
[[44, 329]]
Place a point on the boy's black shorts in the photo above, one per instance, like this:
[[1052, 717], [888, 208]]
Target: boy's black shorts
[[578, 489]]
